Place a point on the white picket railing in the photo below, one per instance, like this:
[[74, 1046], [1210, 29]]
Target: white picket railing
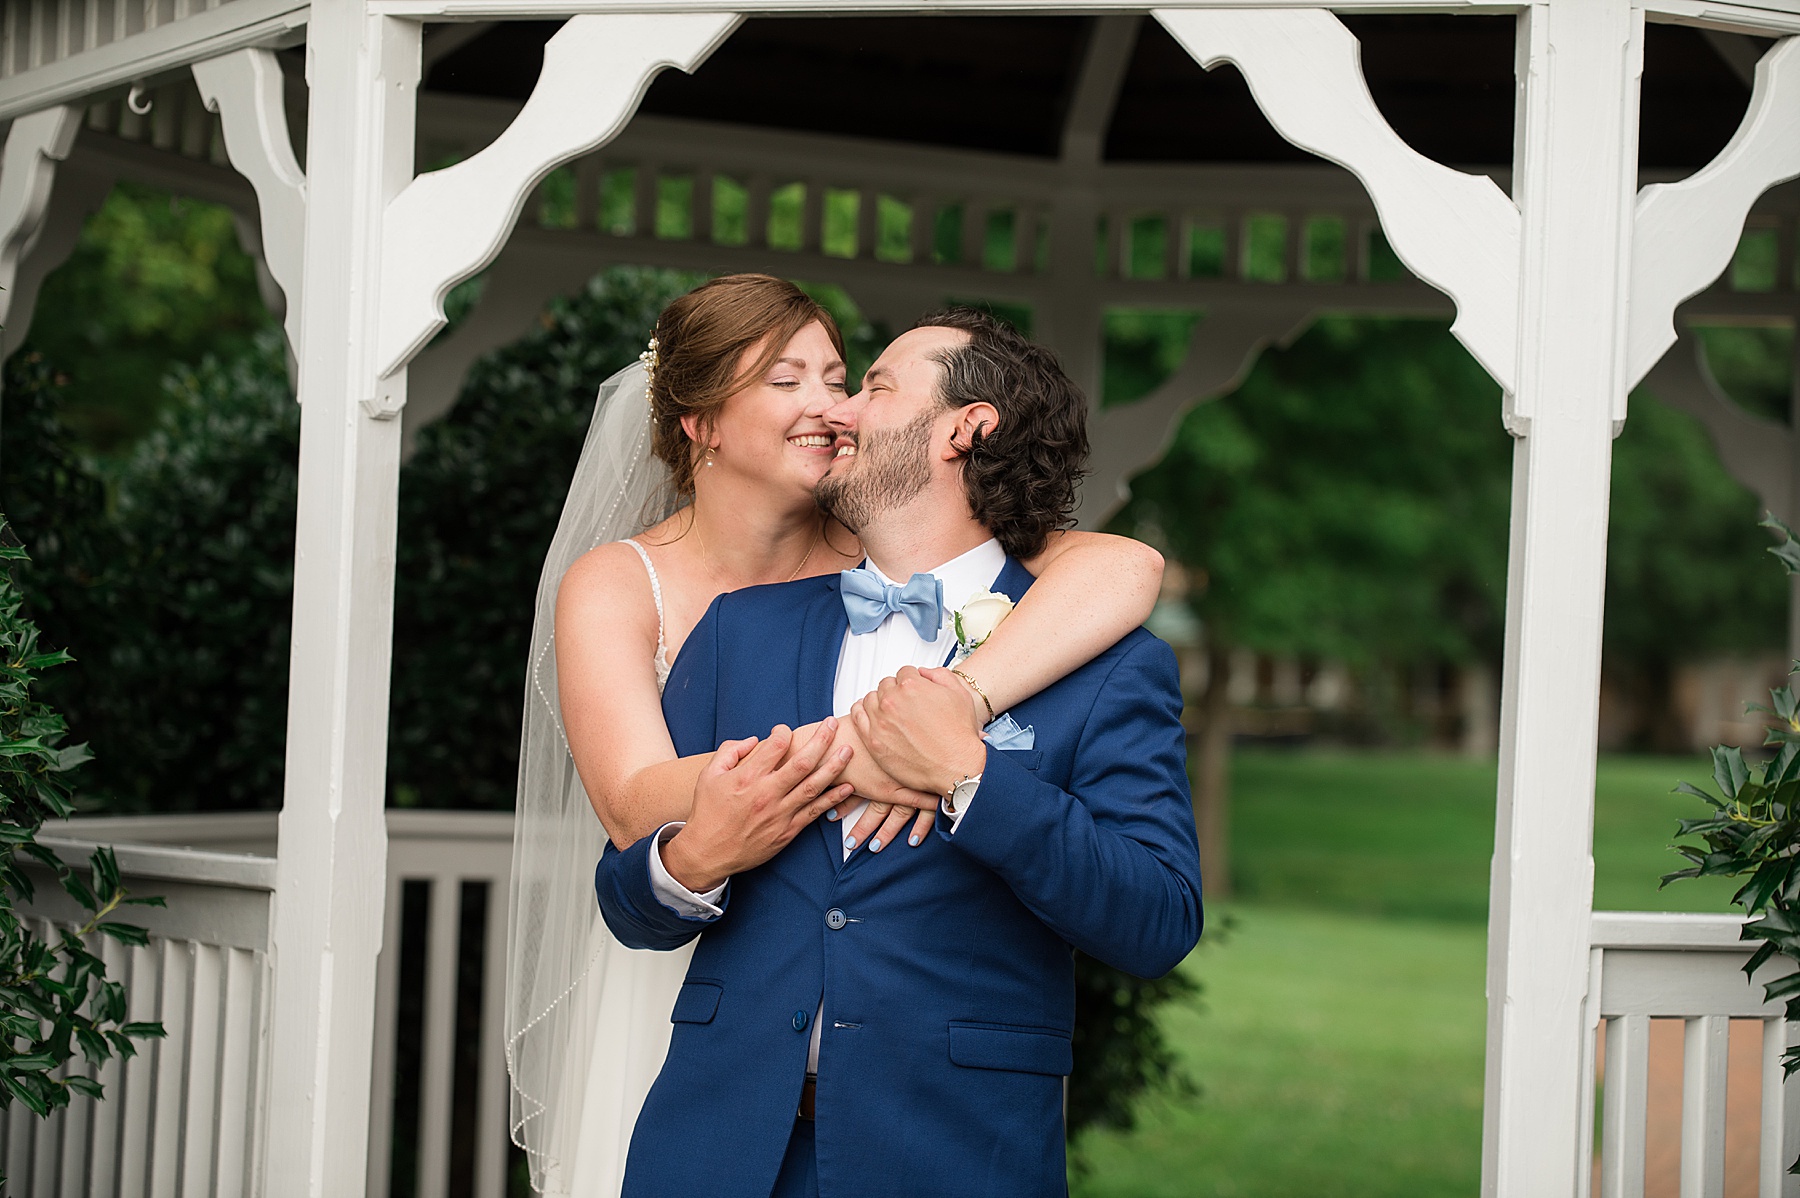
[[179, 1119], [1687, 967]]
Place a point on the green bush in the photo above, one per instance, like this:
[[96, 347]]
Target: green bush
[[55, 1001]]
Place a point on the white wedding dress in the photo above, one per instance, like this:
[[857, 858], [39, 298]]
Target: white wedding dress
[[587, 1019]]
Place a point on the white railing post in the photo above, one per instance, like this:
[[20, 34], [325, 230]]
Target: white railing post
[[1575, 179], [333, 854]]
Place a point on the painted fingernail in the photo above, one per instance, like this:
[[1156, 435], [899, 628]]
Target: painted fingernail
[[875, 845], [849, 842], [913, 840], [833, 816]]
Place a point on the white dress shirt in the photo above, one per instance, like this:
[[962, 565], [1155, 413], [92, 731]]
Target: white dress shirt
[[863, 662]]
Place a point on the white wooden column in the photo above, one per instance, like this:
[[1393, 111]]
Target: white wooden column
[[363, 71], [1576, 157]]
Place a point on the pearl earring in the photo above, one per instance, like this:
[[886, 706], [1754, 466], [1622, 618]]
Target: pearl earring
[[709, 457]]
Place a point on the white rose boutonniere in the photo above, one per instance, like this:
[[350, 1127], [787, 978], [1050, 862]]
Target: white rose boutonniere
[[976, 620]]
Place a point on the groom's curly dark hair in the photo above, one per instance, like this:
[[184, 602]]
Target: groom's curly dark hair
[[1021, 478]]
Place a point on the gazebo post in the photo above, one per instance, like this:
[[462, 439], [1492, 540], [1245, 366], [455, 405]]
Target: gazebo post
[[1578, 67], [330, 876]]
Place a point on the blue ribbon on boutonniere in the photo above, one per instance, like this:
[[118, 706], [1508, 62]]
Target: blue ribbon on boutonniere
[[1005, 733]]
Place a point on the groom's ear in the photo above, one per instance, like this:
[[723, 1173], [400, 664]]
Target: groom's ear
[[971, 421]]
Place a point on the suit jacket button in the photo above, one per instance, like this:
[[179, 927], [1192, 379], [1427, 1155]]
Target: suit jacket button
[[800, 1020], [834, 919]]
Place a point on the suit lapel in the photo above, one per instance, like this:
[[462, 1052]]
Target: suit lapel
[[821, 644]]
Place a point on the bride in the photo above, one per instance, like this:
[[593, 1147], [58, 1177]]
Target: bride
[[697, 479]]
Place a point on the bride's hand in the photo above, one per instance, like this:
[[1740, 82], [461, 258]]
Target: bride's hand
[[890, 804]]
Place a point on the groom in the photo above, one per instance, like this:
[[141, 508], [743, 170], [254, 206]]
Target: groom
[[899, 1023]]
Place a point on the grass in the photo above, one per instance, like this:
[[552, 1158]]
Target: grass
[[1339, 1044], [1411, 836]]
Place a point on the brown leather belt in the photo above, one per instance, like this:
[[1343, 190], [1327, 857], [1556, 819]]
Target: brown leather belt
[[809, 1097]]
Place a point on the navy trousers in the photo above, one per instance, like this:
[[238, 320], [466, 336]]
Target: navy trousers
[[799, 1176]]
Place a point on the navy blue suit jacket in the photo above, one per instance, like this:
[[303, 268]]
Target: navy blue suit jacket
[[945, 970]]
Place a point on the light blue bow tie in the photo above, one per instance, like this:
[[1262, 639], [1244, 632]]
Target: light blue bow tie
[[868, 601]]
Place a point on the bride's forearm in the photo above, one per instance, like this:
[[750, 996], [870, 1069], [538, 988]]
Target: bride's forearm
[[1091, 590], [652, 797]]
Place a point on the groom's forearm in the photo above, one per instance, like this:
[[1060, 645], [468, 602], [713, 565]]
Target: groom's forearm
[[1114, 866]]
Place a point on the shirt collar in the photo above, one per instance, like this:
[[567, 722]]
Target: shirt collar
[[964, 575]]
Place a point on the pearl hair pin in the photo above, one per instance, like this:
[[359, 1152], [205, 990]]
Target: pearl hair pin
[[649, 359]]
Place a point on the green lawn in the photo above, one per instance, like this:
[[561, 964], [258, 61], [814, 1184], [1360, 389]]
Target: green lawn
[[1339, 1043]]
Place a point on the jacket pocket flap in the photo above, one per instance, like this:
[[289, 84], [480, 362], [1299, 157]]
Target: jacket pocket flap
[[1022, 1050], [698, 1002], [1024, 758]]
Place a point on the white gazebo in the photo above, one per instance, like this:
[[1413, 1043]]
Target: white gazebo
[[1571, 272]]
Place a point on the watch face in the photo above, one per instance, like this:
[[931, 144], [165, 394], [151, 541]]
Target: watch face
[[965, 790]]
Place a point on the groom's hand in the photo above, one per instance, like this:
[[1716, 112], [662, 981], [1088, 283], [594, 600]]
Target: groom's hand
[[919, 727], [751, 800]]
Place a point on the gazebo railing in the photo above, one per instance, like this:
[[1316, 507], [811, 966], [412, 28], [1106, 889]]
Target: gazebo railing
[[1646, 967], [180, 1116]]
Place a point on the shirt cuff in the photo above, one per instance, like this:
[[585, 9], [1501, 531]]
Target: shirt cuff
[[956, 817], [673, 894]]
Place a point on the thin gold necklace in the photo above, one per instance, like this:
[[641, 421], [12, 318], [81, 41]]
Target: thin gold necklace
[[713, 570]]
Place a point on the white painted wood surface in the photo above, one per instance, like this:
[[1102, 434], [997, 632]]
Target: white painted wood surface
[[1457, 231], [1686, 233], [448, 224], [34, 146], [245, 89], [328, 905], [127, 50], [1574, 183]]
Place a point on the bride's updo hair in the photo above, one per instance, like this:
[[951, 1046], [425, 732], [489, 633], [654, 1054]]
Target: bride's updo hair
[[700, 339]]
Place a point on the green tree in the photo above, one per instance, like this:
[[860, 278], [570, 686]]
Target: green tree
[[155, 280], [1349, 501]]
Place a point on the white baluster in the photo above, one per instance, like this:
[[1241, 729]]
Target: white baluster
[[1626, 1102], [587, 193], [168, 1053], [812, 215], [643, 199], [756, 212], [701, 206], [1705, 1050], [491, 1116], [203, 1070], [237, 1068], [437, 1075]]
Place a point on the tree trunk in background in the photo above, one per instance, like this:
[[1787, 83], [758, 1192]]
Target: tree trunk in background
[[1212, 773]]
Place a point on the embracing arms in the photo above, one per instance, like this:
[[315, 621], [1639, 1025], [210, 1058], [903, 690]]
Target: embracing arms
[[1092, 589]]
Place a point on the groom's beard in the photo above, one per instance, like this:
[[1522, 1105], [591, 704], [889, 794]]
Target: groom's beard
[[890, 469]]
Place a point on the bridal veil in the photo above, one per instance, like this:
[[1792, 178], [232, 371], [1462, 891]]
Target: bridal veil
[[587, 1020]]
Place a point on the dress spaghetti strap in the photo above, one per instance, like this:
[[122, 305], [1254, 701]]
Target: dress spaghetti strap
[[662, 648]]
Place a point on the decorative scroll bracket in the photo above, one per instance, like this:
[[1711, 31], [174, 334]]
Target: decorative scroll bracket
[[448, 224], [34, 145], [1684, 234], [1223, 348], [245, 89], [1458, 232]]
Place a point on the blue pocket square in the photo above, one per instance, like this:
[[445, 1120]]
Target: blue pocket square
[[1005, 733]]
